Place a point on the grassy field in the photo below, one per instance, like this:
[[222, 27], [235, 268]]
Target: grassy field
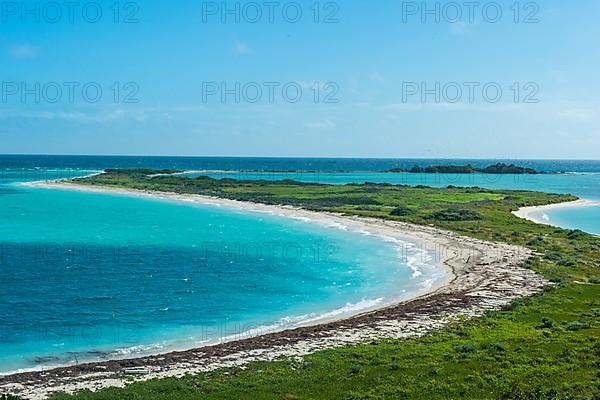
[[546, 347]]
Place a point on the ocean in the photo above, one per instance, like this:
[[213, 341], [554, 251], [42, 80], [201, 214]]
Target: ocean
[[88, 276]]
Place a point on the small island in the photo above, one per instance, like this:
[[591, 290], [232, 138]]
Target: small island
[[500, 168]]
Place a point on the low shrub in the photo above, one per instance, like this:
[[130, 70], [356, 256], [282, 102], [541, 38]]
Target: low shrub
[[513, 305], [576, 234], [455, 214], [499, 347], [593, 313], [466, 348], [367, 208], [548, 322], [355, 369], [401, 211], [538, 241], [577, 326]]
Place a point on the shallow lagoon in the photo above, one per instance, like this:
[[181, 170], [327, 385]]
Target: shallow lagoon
[[92, 276]]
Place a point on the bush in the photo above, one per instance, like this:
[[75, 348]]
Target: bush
[[524, 391], [595, 280], [467, 348], [456, 214], [340, 201], [576, 234], [548, 322], [310, 364], [577, 326], [401, 211], [499, 347], [538, 241], [593, 313], [367, 208], [513, 305]]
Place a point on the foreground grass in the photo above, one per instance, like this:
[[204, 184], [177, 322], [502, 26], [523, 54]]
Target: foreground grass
[[540, 348]]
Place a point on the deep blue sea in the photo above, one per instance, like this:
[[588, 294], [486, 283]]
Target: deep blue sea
[[89, 276], [273, 163]]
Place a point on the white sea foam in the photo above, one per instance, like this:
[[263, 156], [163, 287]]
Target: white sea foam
[[291, 322], [428, 283], [140, 349], [337, 225], [296, 217]]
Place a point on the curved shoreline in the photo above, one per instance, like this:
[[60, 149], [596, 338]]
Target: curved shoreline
[[527, 212], [484, 276], [408, 245]]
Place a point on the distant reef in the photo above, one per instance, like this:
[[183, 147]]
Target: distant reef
[[499, 168]]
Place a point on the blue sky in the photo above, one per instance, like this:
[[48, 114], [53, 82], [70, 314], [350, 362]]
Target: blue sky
[[367, 62]]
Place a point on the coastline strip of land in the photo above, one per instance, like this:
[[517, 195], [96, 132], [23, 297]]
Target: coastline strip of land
[[483, 276]]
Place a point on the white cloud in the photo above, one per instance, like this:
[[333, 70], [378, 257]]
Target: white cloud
[[107, 114], [76, 116], [460, 28], [242, 48], [24, 51], [578, 114], [324, 124], [67, 116]]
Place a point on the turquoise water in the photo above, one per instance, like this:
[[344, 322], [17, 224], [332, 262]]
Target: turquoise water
[[585, 218], [94, 276]]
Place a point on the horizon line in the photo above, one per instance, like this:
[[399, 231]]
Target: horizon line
[[298, 157]]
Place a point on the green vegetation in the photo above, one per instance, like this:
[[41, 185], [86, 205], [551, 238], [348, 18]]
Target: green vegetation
[[8, 397], [547, 347], [401, 211], [499, 168], [456, 214]]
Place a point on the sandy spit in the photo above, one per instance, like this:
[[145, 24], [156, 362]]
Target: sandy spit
[[481, 276], [531, 213]]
